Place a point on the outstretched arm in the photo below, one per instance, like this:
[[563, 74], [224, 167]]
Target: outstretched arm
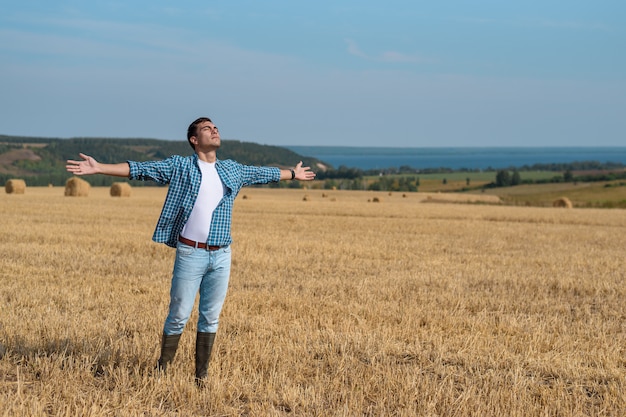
[[90, 166], [301, 173]]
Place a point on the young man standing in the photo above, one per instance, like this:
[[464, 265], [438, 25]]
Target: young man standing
[[196, 220]]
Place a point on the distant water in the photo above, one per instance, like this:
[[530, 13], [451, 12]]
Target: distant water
[[457, 158]]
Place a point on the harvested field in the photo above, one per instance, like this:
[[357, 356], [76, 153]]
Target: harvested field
[[336, 307], [461, 198]]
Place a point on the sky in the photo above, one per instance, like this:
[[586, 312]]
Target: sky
[[409, 73]]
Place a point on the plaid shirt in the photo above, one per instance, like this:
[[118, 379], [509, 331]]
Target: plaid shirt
[[183, 176]]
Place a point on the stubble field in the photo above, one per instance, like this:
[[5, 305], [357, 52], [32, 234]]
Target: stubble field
[[337, 307]]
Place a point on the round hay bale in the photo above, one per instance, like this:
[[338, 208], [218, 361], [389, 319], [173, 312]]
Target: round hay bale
[[76, 187], [376, 200], [120, 189], [305, 198], [562, 202], [15, 186], [245, 196]]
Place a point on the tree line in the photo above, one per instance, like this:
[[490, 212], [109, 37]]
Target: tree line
[[52, 154], [505, 178]]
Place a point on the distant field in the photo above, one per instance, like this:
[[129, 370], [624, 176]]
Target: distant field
[[603, 194], [483, 176], [595, 194], [338, 306], [487, 176], [456, 181]]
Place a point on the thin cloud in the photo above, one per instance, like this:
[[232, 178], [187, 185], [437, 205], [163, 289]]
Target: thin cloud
[[354, 50], [386, 56], [392, 56]]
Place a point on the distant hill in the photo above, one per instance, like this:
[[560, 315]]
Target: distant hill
[[41, 161]]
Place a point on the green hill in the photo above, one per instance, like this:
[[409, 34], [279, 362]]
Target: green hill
[[41, 161]]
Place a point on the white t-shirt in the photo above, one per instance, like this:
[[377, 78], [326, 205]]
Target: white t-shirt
[[210, 194]]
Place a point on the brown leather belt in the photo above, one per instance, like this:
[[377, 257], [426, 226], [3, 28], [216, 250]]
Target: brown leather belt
[[199, 245]]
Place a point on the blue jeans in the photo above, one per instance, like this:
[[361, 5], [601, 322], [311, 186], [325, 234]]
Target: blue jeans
[[197, 270]]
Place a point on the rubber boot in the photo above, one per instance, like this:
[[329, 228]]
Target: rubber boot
[[168, 350], [204, 345]]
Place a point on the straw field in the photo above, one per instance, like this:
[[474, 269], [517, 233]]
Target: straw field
[[336, 307]]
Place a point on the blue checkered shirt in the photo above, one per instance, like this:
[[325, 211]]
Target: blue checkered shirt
[[183, 176]]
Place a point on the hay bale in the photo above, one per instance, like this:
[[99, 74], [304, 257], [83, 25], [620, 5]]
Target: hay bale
[[76, 187], [562, 202], [15, 186], [120, 189], [306, 197], [376, 200]]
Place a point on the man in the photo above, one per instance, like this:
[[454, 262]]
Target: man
[[196, 220]]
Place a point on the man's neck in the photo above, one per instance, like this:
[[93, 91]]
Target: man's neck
[[209, 156]]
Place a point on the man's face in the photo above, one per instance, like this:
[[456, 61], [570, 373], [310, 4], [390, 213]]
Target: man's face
[[207, 137]]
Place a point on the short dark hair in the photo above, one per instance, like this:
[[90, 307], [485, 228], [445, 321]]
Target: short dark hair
[[192, 130]]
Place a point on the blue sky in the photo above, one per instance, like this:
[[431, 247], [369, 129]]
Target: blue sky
[[348, 73]]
